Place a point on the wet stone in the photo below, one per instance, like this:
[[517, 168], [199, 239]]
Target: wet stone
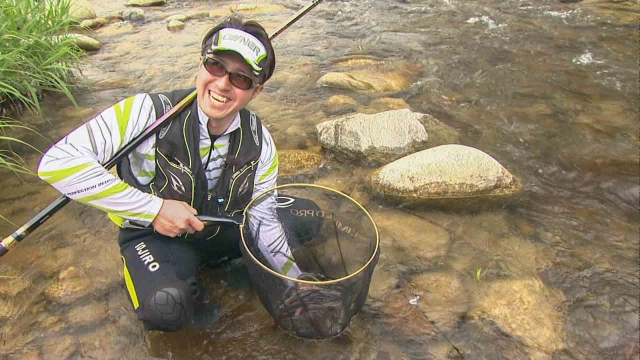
[[297, 161], [443, 298], [418, 238], [385, 104], [382, 281], [359, 61], [58, 347], [340, 104], [259, 8], [403, 319], [175, 25], [94, 23], [111, 341], [179, 17], [146, 2], [376, 138], [52, 323], [85, 42], [220, 12], [113, 83], [84, 315], [367, 81], [9, 308], [525, 308], [602, 318], [446, 172], [70, 286], [11, 286], [133, 15], [80, 10], [485, 242], [21, 339], [484, 340], [26, 354]]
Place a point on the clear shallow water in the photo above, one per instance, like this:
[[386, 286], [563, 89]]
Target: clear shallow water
[[548, 89]]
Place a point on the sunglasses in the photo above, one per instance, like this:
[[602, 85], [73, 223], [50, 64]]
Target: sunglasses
[[217, 68]]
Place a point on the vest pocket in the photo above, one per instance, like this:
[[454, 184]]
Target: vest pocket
[[178, 179], [241, 187]]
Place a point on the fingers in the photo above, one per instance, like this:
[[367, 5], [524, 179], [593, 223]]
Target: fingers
[[176, 218], [193, 224]]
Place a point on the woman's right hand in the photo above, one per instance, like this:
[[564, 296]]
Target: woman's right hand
[[175, 218]]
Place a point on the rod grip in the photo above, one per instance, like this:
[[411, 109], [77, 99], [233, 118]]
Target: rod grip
[[6, 244]]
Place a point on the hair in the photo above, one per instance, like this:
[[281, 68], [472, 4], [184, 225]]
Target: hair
[[254, 28]]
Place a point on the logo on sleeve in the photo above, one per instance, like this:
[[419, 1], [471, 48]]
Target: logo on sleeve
[[284, 201]]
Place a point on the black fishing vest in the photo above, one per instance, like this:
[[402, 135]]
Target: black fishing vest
[[180, 174]]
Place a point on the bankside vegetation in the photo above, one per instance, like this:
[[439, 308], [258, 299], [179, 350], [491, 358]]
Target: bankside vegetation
[[35, 58]]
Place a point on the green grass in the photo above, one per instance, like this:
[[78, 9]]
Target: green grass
[[34, 59]]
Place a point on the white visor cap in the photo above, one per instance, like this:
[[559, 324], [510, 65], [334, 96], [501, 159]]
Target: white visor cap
[[245, 44]]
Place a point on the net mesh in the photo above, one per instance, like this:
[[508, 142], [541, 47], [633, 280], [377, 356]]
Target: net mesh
[[334, 243]]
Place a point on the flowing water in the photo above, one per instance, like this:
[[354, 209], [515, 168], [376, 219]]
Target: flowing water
[[549, 89]]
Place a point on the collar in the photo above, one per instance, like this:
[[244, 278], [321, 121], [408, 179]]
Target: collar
[[204, 121]]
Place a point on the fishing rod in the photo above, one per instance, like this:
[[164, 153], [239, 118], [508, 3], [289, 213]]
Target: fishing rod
[[46, 213]]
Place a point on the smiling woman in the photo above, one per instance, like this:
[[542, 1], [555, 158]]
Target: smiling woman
[[33, 59]]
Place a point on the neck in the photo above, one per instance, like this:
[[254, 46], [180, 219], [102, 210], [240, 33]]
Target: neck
[[218, 127]]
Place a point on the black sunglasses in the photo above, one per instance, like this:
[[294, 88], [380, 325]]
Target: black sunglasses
[[217, 68]]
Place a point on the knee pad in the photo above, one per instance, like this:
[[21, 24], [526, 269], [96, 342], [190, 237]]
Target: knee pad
[[170, 308]]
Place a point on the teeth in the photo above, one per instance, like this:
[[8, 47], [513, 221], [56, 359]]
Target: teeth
[[218, 98]]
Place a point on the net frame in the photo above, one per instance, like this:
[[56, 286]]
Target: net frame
[[363, 273], [295, 280]]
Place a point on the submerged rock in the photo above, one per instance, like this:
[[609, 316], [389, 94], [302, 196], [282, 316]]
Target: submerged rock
[[405, 319], [485, 242], [146, 2], [179, 17], [85, 42], [443, 298], [444, 172], [367, 81], [377, 138], [133, 15], [525, 308], [12, 285], [296, 161], [80, 10], [416, 237], [340, 104], [602, 311], [175, 25], [94, 23], [220, 12], [87, 314], [59, 347], [71, 286], [382, 281], [387, 103], [259, 8]]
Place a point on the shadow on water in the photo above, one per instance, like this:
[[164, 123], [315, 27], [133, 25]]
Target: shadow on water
[[548, 88]]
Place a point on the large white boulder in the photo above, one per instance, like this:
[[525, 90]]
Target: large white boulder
[[444, 172]]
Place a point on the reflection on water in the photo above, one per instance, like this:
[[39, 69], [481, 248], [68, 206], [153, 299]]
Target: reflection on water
[[549, 89]]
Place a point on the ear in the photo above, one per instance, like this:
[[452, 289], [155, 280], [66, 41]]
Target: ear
[[257, 91]]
